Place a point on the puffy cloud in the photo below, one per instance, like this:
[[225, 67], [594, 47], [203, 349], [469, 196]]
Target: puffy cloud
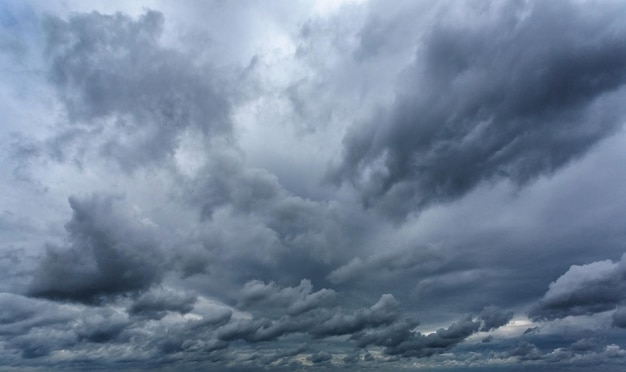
[[525, 351], [494, 317], [395, 261], [158, 302], [20, 314], [619, 317], [218, 123], [381, 324], [321, 322], [584, 289], [101, 327], [108, 252], [296, 299], [383, 312], [320, 357], [475, 109], [420, 345], [127, 92]]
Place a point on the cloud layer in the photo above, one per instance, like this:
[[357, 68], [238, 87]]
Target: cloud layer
[[312, 185], [476, 108]]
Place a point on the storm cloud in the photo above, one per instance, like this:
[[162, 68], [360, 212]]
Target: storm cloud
[[312, 185], [475, 108], [115, 78], [585, 289], [108, 253]]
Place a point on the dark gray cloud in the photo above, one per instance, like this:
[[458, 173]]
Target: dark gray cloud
[[157, 303], [380, 325], [250, 220], [38, 327], [296, 299], [206, 237], [619, 317], [383, 312], [108, 252], [320, 323], [525, 351], [494, 317], [419, 258], [113, 76], [476, 108], [420, 345], [586, 344], [102, 327], [584, 289], [320, 357], [20, 314]]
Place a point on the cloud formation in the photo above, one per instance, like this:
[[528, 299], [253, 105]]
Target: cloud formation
[[312, 185], [121, 87], [585, 289], [476, 109], [108, 253]]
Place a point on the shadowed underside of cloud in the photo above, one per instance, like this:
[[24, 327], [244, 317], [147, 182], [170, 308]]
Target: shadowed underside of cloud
[[238, 264], [477, 107], [381, 325], [297, 299], [40, 328], [108, 252], [157, 303], [585, 289]]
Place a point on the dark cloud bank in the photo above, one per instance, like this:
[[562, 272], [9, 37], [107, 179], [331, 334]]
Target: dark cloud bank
[[478, 107], [236, 271]]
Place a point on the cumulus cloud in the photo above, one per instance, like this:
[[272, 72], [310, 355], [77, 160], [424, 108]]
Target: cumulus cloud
[[619, 317], [158, 302], [124, 90], [20, 314], [321, 322], [194, 144], [395, 261], [381, 325], [383, 312], [296, 299], [494, 317], [420, 345], [475, 108], [320, 357], [108, 252], [584, 289]]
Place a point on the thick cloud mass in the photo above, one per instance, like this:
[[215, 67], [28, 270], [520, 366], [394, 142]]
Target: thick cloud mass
[[312, 185], [513, 94], [156, 304], [108, 253], [111, 71], [585, 289], [297, 300]]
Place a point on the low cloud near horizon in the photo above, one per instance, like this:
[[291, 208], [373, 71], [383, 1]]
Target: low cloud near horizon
[[312, 185]]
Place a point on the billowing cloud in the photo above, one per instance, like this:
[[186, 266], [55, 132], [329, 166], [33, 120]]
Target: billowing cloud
[[585, 289], [157, 303], [494, 317], [476, 108], [297, 299], [119, 85], [312, 185], [619, 318], [108, 252], [321, 323]]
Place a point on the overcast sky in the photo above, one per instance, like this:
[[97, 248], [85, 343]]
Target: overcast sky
[[324, 185]]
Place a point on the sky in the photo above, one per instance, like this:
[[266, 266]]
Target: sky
[[312, 185]]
